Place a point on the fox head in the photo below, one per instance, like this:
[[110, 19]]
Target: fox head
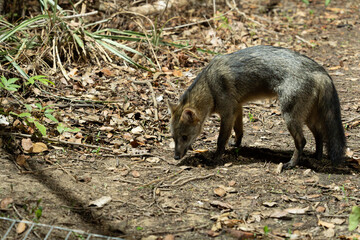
[[185, 126]]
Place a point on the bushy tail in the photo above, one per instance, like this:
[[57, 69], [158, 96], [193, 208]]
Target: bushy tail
[[334, 132]]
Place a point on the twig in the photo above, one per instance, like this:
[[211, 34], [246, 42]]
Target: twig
[[189, 180], [187, 229], [305, 41], [80, 15], [162, 179], [152, 95]]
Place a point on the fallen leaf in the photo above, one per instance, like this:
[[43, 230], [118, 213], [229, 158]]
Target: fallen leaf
[[221, 205], [320, 209], [212, 233], [279, 214], [269, 204], [27, 144], [326, 224], [201, 150], [337, 221], [241, 235], [153, 159], [107, 72], [135, 174], [297, 210], [100, 202], [136, 130], [169, 237], [220, 192], [4, 204], [279, 168], [231, 183], [177, 73], [21, 227], [39, 147], [329, 233], [21, 160]]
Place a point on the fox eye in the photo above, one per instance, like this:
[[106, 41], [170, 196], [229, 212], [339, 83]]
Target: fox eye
[[184, 137]]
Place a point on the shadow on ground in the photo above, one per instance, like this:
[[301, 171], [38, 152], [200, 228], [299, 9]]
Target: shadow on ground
[[248, 155]]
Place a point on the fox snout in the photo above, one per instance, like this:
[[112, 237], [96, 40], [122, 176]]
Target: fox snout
[[179, 154]]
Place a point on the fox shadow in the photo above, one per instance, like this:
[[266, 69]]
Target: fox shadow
[[248, 155]]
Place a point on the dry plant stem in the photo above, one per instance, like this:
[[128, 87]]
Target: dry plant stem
[[303, 40], [195, 23], [190, 179], [162, 179], [60, 64], [80, 15], [150, 44], [187, 229], [152, 95]]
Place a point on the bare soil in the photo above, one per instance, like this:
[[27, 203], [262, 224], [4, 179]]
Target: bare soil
[[155, 197]]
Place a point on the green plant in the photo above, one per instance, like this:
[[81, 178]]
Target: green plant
[[354, 218], [327, 2], [266, 230], [251, 117]]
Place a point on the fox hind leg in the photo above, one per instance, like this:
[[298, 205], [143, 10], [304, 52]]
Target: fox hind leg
[[316, 131], [295, 128], [238, 128]]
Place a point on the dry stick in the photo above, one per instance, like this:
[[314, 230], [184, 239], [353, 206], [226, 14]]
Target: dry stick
[[303, 40], [190, 179], [162, 179], [152, 95], [188, 229]]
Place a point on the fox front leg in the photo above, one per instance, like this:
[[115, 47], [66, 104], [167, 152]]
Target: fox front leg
[[224, 135]]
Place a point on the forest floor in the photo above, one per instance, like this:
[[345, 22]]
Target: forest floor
[[152, 196]]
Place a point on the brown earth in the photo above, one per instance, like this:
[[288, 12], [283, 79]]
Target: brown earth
[[153, 195]]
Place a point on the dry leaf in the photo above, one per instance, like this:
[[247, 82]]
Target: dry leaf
[[136, 130], [21, 160], [269, 204], [27, 144], [200, 150], [169, 237], [297, 210], [100, 202], [279, 168], [320, 209], [21, 227], [241, 235], [337, 221], [326, 224], [329, 233], [220, 192], [222, 205], [231, 183], [6, 202], [39, 147], [177, 73], [107, 72], [135, 174], [279, 214], [153, 159]]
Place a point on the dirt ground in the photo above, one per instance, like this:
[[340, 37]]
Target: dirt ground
[[155, 197]]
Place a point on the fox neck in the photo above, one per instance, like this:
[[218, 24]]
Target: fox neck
[[200, 100]]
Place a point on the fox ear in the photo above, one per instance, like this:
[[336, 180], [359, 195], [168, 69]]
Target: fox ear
[[189, 116], [171, 106]]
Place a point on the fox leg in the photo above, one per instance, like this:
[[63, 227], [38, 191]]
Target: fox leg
[[238, 127], [226, 126], [295, 128], [318, 140]]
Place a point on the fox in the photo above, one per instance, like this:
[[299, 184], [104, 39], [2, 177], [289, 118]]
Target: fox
[[305, 91]]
